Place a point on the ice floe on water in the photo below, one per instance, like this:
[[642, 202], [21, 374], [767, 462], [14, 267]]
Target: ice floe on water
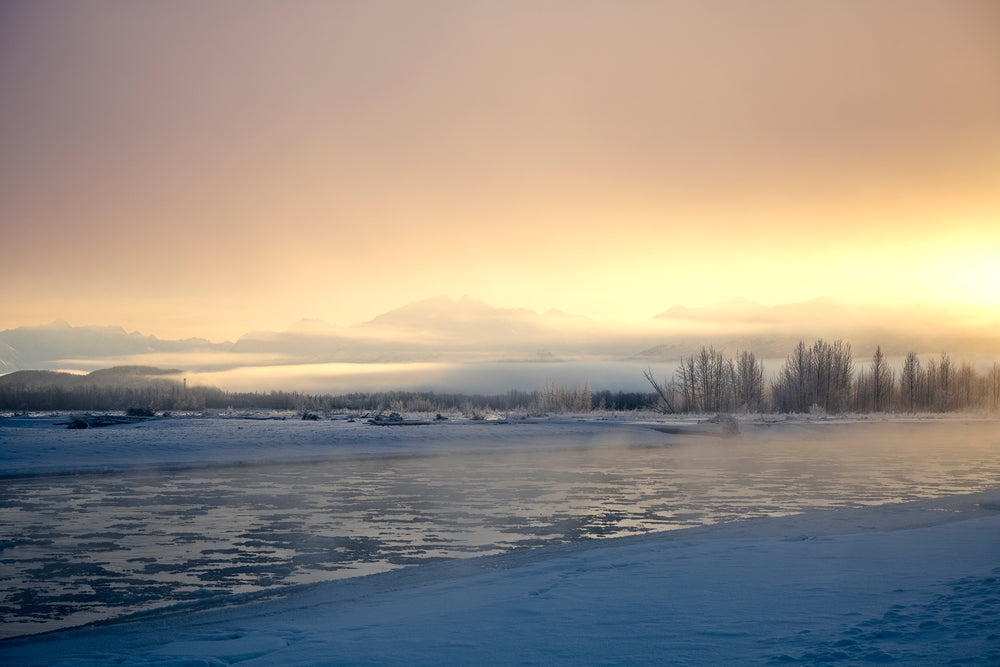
[[772, 578]]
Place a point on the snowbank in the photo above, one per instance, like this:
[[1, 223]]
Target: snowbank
[[37, 445], [917, 583]]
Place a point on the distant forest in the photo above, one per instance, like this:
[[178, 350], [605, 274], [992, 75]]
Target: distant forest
[[126, 387], [822, 378]]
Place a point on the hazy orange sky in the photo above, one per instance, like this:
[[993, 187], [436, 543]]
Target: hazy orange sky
[[199, 168]]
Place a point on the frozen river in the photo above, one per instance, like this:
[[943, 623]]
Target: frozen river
[[81, 544]]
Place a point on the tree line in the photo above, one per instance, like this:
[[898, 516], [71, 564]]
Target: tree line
[[53, 393], [823, 377]]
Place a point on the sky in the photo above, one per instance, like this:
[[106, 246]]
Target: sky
[[206, 169]]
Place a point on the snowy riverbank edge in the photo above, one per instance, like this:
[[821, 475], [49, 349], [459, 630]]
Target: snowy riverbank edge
[[42, 445], [917, 583]]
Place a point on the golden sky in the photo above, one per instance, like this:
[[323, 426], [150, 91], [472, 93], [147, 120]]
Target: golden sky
[[186, 168]]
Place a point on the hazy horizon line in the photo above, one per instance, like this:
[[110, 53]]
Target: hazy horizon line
[[699, 313]]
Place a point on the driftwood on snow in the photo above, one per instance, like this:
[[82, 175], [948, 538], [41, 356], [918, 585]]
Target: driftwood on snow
[[719, 426], [395, 419], [96, 421]]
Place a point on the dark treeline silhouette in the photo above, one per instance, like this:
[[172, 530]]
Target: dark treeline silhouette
[[823, 378], [129, 387], [157, 395]]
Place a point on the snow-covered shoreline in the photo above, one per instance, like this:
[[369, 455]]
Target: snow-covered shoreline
[[914, 582], [39, 445]]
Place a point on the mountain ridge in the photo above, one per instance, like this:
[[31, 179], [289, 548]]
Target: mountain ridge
[[467, 329]]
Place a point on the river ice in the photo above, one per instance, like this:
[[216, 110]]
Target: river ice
[[159, 512]]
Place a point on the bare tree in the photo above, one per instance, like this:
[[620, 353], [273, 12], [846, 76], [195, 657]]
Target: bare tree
[[863, 391], [909, 382], [881, 381], [748, 382], [713, 382], [818, 375], [823, 376], [930, 386], [943, 397], [792, 389], [993, 387], [706, 381], [839, 359], [965, 381], [686, 375], [661, 391]]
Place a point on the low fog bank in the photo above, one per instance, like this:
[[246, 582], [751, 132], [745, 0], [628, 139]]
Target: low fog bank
[[467, 378], [469, 334]]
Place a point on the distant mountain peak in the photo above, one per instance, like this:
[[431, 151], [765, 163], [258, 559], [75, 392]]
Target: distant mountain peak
[[434, 309], [41, 347], [307, 325], [733, 309]]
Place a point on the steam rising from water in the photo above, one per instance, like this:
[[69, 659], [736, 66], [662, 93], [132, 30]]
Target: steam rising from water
[[486, 378]]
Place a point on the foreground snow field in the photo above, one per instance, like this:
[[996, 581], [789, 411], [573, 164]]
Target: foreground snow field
[[913, 583]]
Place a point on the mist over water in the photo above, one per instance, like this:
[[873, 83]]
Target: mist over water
[[485, 377], [91, 546]]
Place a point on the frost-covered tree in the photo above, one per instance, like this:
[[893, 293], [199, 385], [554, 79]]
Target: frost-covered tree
[[838, 360], [818, 375], [685, 376], [663, 392], [993, 387], [748, 382], [928, 386], [942, 399], [585, 397], [555, 397], [792, 391], [909, 382], [967, 389], [714, 380], [706, 382], [881, 378]]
